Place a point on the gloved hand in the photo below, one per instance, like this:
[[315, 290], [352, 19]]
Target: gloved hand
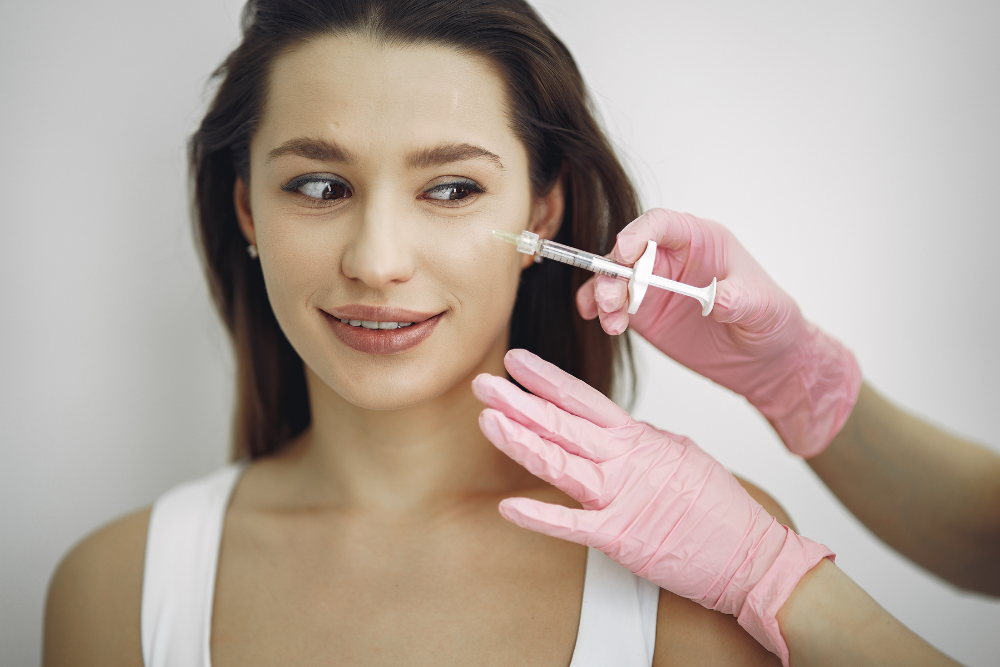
[[652, 501], [755, 342]]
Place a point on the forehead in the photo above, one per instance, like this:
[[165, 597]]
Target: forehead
[[373, 96]]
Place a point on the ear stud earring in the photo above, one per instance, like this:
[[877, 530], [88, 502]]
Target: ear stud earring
[[252, 251]]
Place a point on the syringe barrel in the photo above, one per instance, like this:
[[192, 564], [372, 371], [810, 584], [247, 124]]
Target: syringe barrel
[[584, 260]]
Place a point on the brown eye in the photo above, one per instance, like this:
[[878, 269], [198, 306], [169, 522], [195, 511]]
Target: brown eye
[[319, 188], [450, 192], [453, 191], [325, 190]]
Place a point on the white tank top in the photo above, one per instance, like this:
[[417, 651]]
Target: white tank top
[[617, 619]]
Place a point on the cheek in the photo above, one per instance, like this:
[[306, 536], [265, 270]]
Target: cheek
[[483, 279], [297, 259]]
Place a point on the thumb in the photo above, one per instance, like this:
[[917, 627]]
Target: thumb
[[738, 303], [751, 306], [554, 520], [669, 229], [732, 304]]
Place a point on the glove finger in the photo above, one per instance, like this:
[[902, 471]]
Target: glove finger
[[610, 294], [585, 301], [555, 520], [668, 229], [746, 306], [574, 434], [562, 389], [615, 324], [579, 478]]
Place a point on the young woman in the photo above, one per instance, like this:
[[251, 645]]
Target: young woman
[[345, 174]]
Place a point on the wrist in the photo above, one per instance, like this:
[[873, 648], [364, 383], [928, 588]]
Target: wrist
[[810, 402], [797, 557]]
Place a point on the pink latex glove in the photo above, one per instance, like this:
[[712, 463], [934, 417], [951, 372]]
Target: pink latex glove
[[755, 341], [652, 501]]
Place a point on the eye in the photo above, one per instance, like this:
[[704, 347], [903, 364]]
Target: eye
[[319, 186], [456, 193]]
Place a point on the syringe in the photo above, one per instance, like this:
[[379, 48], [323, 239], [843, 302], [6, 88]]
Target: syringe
[[639, 276]]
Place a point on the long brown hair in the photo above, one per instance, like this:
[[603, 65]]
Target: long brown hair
[[551, 114]]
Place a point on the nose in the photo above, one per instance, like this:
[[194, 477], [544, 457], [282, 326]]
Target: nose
[[381, 253]]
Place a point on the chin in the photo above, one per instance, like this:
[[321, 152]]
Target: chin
[[391, 391]]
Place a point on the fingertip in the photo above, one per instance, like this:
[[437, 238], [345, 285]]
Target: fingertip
[[518, 361], [615, 323], [631, 241], [727, 302], [517, 510], [508, 510], [523, 366], [480, 383], [485, 387], [627, 245], [514, 359], [491, 423], [669, 229], [610, 294]]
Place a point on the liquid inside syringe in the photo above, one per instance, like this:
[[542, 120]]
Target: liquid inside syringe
[[639, 277], [530, 244]]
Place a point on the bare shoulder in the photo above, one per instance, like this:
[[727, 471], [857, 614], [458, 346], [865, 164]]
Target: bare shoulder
[[767, 502], [94, 600], [689, 634]]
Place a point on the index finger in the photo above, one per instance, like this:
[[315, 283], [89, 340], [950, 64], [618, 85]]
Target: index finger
[[668, 229], [574, 434], [563, 390]]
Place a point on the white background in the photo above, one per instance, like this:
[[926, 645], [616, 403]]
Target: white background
[[853, 148]]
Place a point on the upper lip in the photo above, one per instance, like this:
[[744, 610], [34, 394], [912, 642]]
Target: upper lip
[[357, 311]]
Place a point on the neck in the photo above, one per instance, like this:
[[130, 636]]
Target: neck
[[407, 459]]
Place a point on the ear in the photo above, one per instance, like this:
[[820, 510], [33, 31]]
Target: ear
[[241, 202], [546, 215]]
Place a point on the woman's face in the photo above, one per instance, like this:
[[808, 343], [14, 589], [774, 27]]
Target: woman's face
[[367, 172]]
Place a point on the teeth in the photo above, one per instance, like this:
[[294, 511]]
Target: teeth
[[376, 325]]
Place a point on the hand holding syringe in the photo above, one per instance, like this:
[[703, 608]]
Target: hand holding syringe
[[639, 277]]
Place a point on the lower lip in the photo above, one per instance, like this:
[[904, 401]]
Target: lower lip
[[382, 341]]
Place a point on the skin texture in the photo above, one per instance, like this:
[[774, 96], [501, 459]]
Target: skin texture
[[928, 494], [830, 621], [92, 611], [375, 538]]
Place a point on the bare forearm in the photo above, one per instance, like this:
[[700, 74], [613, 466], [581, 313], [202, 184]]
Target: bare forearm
[[933, 497], [828, 620]]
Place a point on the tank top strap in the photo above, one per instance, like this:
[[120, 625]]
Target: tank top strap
[[617, 617], [182, 554]]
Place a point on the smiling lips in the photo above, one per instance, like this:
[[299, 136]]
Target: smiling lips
[[381, 330]]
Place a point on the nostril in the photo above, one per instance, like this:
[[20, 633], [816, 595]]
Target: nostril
[[377, 268]]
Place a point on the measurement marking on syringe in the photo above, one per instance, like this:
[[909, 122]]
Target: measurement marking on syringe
[[640, 276]]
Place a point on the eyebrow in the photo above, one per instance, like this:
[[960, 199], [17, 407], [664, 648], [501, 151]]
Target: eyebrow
[[434, 157], [328, 151], [314, 149]]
